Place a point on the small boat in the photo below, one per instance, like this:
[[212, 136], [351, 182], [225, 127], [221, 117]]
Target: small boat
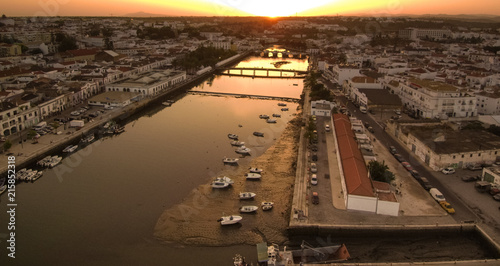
[[230, 160], [55, 160], [225, 179], [44, 160], [258, 134], [232, 219], [70, 148], [270, 121], [88, 138], [263, 116], [232, 136], [248, 209], [276, 115], [243, 150], [119, 130], [237, 143], [37, 175], [219, 184], [247, 195], [295, 84], [253, 176], [255, 170], [284, 109], [167, 104], [3, 189], [267, 205], [281, 104]]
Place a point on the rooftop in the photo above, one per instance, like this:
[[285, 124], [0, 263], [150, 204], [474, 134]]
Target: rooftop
[[433, 85]]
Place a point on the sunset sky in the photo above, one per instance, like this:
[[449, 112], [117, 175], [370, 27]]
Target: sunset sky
[[245, 7]]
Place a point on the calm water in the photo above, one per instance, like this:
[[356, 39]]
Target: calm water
[[101, 205]]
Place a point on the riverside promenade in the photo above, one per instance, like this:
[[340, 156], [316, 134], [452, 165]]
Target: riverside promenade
[[27, 153]]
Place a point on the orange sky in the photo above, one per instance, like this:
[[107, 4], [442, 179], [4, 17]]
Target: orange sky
[[245, 7]]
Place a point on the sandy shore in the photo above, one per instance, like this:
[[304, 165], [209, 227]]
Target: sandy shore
[[194, 221]]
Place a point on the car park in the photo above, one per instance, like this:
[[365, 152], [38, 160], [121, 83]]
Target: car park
[[315, 198], [314, 179], [448, 171], [447, 207]]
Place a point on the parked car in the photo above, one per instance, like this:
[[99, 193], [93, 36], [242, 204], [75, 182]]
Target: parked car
[[399, 157], [314, 179], [447, 207], [494, 191], [497, 197], [314, 148], [415, 174], [436, 194], [75, 113], [474, 167], [407, 166], [314, 168], [470, 178], [315, 157], [448, 171], [315, 198], [371, 129], [327, 128], [393, 150], [482, 186], [425, 183]]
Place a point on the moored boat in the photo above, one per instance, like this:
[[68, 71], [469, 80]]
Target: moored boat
[[263, 116], [253, 176], [232, 219], [44, 160], [248, 209], [255, 170], [284, 109], [258, 134], [307, 254], [167, 104], [37, 175], [88, 138], [243, 150], [276, 115], [247, 195], [237, 143], [230, 160], [281, 104], [70, 148], [232, 136], [267, 205], [219, 184], [3, 189], [271, 121]]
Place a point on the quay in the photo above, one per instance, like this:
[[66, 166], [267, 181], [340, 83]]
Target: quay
[[239, 95], [27, 153]]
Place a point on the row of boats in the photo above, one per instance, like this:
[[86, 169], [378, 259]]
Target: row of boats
[[28, 175], [50, 161]]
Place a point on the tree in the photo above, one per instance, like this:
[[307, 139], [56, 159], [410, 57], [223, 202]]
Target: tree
[[7, 145], [31, 134], [380, 172]]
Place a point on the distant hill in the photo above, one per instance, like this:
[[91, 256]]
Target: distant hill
[[141, 14]]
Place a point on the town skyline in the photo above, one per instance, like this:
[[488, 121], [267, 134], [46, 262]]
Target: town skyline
[[246, 8]]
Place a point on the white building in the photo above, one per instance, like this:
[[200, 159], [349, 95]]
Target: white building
[[341, 73], [322, 108], [52, 106], [352, 88], [488, 103], [431, 99], [14, 118], [150, 83], [414, 34]]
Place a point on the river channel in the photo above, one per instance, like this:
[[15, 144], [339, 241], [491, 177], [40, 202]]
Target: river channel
[[101, 205]]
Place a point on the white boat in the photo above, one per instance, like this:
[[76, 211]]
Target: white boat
[[258, 134], [253, 176], [230, 160], [225, 179], [44, 160], [255, 170], [88, 139], [232, 219], [37, 175], [267, 205], [248, 209], [237, 143], [263, 116], [167, 103], [70, 148], [247, 195], [232, 136], [271, 121], [55, 160], [243, 150], [217, 183]]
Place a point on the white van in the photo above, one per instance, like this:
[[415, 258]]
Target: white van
[[327, 128], [436, 194], [362, 109]]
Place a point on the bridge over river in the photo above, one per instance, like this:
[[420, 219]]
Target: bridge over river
[[259, 72]]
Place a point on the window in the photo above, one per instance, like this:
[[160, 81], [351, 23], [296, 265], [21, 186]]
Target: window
[[471, 155], [462, 156], [454, 156], [479, 154]]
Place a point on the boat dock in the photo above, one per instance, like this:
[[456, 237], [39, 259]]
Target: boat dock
[[241, 95]]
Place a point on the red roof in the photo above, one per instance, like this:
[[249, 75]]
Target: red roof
[[353, 164]]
